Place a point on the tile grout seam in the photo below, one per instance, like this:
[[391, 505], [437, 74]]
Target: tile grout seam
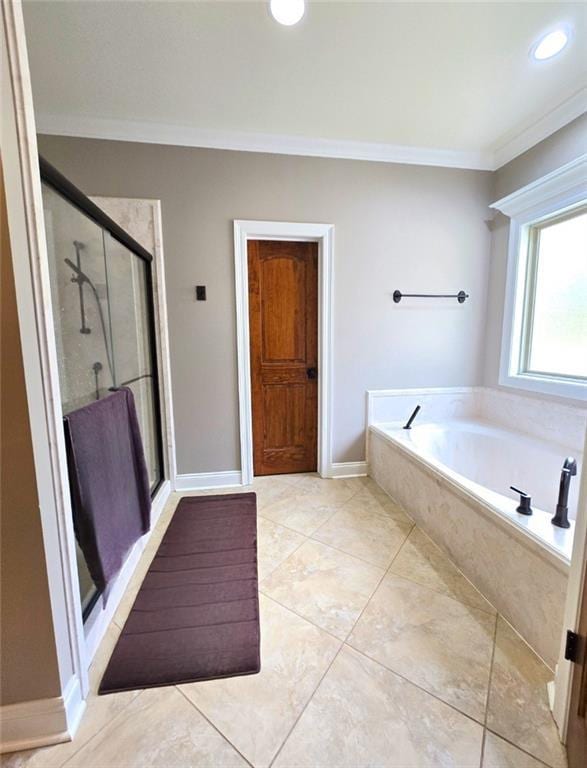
[[306, 705], [215, 727], [487, 697]]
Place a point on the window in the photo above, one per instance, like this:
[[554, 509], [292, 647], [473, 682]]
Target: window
[[544, 343], [554, 338]]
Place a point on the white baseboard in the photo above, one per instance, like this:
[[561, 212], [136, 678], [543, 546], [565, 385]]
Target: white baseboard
[[75, 705], [205, 480], [348, 469], [41, 723]]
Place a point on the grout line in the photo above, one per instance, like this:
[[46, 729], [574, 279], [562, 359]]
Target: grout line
[[336, 508], [488, 691], [282, 525], [299, 615], [266, 576], [340, 509], [305, 618], [298, 718], [455, 566], [533, 651], [349, 554], [520, 749], [416, 685], [99, 731], [312, 536], [386, 571], [411, 682], [207, 719], [462, 602], [358, 557]]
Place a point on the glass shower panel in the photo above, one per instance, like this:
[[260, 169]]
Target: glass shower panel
[[133, 356], [102, 311], [79, 294], [77, 272]]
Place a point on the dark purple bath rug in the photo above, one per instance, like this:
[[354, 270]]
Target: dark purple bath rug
[[196, 616]]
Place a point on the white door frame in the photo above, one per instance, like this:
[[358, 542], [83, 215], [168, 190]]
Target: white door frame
[[323, 234], [32, 724], [24, 204], [564, 668]]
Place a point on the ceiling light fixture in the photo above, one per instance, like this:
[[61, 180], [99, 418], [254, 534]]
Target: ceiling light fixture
[[550, 44], [287, 12]]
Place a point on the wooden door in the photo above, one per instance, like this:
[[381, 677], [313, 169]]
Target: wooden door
[[577, 726], [283, 322]]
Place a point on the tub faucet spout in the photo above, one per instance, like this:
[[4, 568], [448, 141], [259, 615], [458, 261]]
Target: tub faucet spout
[[408, 425], [561, 517]]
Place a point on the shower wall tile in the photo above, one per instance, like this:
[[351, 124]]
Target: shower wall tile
[[546, 420]]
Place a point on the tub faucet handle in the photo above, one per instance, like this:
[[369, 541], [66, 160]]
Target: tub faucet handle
[[524, 508]]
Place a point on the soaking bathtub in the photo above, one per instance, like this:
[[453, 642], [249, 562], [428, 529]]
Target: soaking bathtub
[[452, 473]]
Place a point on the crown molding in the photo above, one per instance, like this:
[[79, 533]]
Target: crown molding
[[185, 136], [565, 184], [492, 159], [516, 143]]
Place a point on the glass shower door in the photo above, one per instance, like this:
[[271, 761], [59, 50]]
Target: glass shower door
[[132, 352], [103, 316], [79, 293]]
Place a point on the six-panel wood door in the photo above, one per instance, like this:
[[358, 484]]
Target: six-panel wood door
[[283, 322]]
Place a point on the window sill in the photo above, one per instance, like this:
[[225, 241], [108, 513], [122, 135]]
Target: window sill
[[566, 388]]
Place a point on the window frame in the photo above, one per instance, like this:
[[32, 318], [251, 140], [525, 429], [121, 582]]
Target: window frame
[[553, 197], [529, 298]]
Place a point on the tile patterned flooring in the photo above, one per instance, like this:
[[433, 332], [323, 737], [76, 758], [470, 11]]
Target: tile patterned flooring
[[376, 651]]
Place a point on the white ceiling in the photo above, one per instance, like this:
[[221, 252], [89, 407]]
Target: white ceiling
[[377, 79]]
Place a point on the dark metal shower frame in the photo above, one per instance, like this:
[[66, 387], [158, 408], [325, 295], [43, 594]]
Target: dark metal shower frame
[[53, 178]]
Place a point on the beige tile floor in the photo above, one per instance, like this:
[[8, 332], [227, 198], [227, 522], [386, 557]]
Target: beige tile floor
[[376, 651]]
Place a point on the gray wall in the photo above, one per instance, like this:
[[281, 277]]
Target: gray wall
[[28, 661], [560, 148], [396, 226]]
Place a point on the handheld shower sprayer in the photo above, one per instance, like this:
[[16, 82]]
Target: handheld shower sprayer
[[80, 278]]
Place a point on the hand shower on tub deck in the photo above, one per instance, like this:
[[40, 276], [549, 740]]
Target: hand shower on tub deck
[[561, 517]]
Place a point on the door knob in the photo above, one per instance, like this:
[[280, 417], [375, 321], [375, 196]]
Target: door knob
[[312, 373]]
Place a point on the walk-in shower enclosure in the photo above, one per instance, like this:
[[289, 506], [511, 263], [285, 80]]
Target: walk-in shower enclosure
[[102, 297]]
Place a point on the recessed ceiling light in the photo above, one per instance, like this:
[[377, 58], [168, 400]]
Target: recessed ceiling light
[[287, 12], [551, 44]]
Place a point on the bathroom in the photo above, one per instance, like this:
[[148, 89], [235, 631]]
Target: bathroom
[[382, 515]]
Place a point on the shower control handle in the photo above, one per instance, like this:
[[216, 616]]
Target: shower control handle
[[524, 507]]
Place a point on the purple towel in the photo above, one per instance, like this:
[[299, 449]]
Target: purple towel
[[109, 482]]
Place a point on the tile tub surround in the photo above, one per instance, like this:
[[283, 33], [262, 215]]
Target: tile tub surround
[[525, 583], [547, 420], [322, 700]]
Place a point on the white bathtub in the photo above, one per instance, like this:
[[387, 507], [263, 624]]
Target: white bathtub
[[485, 460], [452, 472]]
